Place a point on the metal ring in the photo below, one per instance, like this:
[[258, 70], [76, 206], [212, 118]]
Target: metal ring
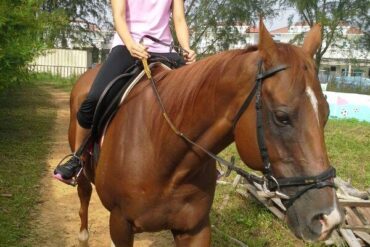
[[269, 178]]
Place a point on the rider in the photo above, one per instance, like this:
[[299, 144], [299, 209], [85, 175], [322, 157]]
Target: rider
[[133, 19]]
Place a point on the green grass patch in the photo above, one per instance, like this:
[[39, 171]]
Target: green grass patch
[[247, 221], [59, 82], [348, 144], [27, 115]]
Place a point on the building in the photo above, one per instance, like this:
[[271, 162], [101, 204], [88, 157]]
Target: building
[[94, 39], [345, 57]]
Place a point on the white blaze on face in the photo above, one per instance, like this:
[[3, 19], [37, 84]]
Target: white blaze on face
[[331, 220], [313, 100]]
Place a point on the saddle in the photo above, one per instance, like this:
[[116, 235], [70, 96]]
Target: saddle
[[117, 90]]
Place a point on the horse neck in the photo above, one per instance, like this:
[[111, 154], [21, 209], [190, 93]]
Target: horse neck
[[210, 94]]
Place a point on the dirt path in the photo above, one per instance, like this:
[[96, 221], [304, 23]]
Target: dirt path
[[56, 219]]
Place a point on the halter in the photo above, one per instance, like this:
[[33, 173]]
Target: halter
[[270, 184]]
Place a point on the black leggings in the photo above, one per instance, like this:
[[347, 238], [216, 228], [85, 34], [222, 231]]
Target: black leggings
[[118, 61]]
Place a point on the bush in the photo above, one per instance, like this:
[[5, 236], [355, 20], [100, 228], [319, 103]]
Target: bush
[[25, 30]]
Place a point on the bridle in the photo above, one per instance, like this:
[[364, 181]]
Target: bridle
[[272, 186]]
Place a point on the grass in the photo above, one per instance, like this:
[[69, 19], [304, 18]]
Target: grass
[[26, 115], [348, 144], [56, 81]]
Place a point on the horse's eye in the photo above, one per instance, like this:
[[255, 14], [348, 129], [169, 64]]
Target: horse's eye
[[282, 118]]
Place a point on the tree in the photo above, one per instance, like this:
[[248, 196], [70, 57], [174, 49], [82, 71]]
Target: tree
[[332, 15], [24, 31], [362, 20], [213, 20], [85, 19], [216, 24]]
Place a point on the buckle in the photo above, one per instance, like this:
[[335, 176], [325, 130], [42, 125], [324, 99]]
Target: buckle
[[267, 193]]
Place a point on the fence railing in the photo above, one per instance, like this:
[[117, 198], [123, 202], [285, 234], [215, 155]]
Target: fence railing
[[62, 71]]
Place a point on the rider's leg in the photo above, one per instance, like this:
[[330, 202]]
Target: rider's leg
[[81, 135], [118, 61]]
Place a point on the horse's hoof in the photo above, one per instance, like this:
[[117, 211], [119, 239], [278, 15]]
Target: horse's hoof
[[83, 237]]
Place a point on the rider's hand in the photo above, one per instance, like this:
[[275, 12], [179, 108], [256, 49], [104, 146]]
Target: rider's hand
[[138, 50], [190, 56]]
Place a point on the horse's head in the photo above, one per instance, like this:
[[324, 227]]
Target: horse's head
[[294, 113]]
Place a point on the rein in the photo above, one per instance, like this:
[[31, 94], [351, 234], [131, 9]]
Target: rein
[[271, 185]]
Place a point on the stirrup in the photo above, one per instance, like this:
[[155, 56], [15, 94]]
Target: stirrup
[[73, 180]]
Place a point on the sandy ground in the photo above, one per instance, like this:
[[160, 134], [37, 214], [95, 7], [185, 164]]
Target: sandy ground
[[56, 221]]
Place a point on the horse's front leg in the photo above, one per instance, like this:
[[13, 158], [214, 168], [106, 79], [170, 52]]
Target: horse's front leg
[[120, 229], [201, 236], [84, 193]]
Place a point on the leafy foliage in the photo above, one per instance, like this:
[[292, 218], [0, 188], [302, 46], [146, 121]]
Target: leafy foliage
[[24, 31], [215, 25], [362, 20], [332, 14], [85, 19]]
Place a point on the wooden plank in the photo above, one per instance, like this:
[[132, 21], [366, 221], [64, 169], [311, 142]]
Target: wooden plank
[[349, 237], [335, 239], [344, 197], [236, 180], [352, 218], [252, 190], [348, 189], [360, 228], [363, 235], [365, 212], [277, 201], [354, 203], [363, 219]]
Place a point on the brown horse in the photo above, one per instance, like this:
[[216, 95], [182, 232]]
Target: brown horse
[[150, 179]]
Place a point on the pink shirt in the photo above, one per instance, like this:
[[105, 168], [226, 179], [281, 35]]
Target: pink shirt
[[149, 17]]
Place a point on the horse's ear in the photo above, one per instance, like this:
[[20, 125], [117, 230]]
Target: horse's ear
[[312, 41], [266, 45]]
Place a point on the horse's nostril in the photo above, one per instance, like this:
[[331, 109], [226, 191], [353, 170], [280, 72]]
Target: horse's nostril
[[318, 217], [317, 223]]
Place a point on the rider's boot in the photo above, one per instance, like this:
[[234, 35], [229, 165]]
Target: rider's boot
[[67, 171]]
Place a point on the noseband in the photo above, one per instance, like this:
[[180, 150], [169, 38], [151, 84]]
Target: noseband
[[270, 184]]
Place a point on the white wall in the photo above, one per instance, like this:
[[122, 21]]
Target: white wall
[[63, 62]]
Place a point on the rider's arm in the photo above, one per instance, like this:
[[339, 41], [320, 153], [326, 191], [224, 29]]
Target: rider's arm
[[181, 28], [119, 16]]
